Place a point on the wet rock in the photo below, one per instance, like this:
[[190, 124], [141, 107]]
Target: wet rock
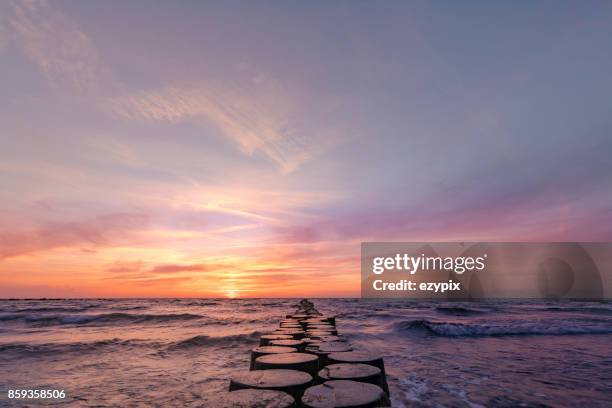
[[363, 357], [355, 372], [298, 344], [345, 394], [326, 348], [266, 338], [292, 382], [292, 361], [265, 350], [296, 334], [318, 334]]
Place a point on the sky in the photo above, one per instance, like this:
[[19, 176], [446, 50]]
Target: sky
[[239, 149]]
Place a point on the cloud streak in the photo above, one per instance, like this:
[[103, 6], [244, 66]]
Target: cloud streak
[[174, 268], [98, 231], [55, 44], [257, 115]]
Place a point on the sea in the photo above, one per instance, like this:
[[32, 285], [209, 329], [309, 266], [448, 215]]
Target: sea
[[176, 352]]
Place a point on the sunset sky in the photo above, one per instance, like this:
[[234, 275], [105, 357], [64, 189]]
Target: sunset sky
[[247, 148]]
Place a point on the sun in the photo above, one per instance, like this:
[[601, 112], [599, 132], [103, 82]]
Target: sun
[[231, 293]]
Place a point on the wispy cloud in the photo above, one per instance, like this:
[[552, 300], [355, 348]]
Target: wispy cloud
[[258, 114], [54, 43], [140, 268], [174, 268]]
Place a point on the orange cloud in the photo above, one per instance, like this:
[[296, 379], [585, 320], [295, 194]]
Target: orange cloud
[[97, 231], [173, 268]]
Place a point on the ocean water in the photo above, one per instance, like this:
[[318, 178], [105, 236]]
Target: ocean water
[[175, 352]]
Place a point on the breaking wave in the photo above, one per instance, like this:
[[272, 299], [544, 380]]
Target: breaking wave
[[588, 310], [446, 329]]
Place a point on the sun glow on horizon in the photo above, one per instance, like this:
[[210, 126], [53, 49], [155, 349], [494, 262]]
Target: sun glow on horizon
[[231, 293]]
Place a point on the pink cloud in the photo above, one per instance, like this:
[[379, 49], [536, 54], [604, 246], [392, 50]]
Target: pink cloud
[[174, 268], [98, 231]]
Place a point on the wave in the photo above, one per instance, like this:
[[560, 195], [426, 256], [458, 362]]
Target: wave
[[54, 309], [106, 318], [446, 329], [229, 340], [203, 303], [459, 311], [129, 307], [21, 349], [77, 347], [273, 303], [365, 316], [586, 309]]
